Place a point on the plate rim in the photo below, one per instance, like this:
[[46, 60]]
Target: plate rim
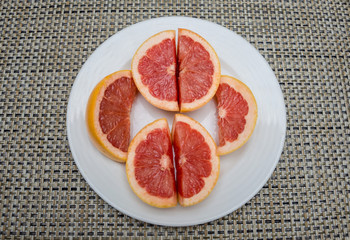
[[203, 220]]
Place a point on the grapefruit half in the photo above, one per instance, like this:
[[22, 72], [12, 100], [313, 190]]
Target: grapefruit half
[[154, 70], [237, 114], [149, 165], [198, 70], [197, 164], [108, 114]]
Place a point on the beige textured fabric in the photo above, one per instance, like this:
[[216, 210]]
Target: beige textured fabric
[[44, 44]]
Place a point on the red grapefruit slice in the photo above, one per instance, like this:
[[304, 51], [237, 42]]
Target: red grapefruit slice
[[237, 114], [108, 114], [154, 70], [149, 167], [199, 70], [197, 164]]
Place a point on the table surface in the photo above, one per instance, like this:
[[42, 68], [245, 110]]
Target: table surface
[[45, 43]]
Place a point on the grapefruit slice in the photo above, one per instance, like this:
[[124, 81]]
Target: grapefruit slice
[[197, 164], [237, 114], [198, 70], [154, 70], [108, 114], [149, 168]]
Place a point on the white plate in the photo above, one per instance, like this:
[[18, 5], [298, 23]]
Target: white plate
[[243, 173]]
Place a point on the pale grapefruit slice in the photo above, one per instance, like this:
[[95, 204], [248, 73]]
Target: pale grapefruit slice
[[197, 164], [198, 70], [108, 114], [154, 70], [237, 114], [149, 168]]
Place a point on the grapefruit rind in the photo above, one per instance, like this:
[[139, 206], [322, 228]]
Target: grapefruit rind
[[143, 89], [187, 107], [130, 170], [251, 117], [210, 181], [96, 135]]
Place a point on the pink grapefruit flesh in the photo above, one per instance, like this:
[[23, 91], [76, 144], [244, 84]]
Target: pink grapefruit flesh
[[198, 70], [108, 114], [154, 70], [197, 164], [237, 114], [149, 166]]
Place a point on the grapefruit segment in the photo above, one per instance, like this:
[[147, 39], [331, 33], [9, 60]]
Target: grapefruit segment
[[197, 164], [198, 70], [149, 165], [237, 114], [108, 114], [154, 70]]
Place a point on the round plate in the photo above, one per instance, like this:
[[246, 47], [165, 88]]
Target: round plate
[[243, 173]]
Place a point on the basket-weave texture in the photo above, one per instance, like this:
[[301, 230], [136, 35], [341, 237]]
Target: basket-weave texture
[[43, 44]]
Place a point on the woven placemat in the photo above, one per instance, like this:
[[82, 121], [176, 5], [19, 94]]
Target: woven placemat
[[45, 43]]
